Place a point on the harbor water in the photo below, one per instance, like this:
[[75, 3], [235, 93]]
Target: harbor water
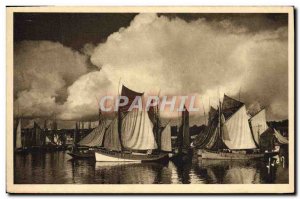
[[60, 168]]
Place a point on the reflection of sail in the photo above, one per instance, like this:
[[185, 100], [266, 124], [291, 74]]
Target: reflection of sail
[[130, 173], [230, 172], [82, 171], [240, 176], [183, 172]]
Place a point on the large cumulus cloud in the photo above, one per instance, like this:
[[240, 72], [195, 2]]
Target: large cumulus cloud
[[155, 53], [43, 71]]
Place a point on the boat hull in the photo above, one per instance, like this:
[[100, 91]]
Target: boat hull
[[182, 157], [230, 156], [79, 155], [114, 156]]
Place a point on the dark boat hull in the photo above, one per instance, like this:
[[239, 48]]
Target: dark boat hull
[[103, 155], [230, 156], [182, 157], [80, 155]]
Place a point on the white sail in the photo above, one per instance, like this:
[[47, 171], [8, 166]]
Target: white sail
[[238, 131], [18, 135], [137, 131], [111, 137], [258, 124], [95, 138], [280, 138], [238, 175], [48, 141], [166, 139], [56, 139]]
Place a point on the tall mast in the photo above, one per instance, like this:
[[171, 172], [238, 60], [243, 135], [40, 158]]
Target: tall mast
[[203, 111], [240, 94], [119, 118], [219, 123], [220, 119], [157, 124]]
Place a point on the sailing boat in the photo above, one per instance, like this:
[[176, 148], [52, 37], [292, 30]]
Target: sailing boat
[[165, 141], [183, 139], [18, 137], [262, 134], [83, 148], [37, 137], [130, 136], [229, 134], [258, 125]]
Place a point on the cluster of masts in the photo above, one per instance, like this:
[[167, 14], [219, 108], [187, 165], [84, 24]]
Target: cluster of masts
[[228, 127]]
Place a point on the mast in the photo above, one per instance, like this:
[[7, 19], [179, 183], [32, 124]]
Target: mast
[[119, 119], [75, 135], [204, 111], [220, 133], [157, 125]]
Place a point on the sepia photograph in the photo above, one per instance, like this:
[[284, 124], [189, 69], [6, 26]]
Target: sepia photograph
[[150, 100]]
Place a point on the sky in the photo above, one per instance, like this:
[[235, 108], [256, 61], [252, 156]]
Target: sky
[[65, 62]]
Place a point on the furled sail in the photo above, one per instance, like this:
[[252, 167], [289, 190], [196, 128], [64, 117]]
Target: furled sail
[[280, 138], [111, 137], [38, 134], [75, 134], [213, 139], [95, 138], [186, 129], [166, 139], [137, 131], [18, 135], [201, 141], [154, 116], [238, 130], [217, 133], [258, 124]]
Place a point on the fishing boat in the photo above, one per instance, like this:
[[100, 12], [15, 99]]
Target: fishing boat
[[184, 152], [228, 134], [83, 149], [131, 136], [82, 153], [18, 144]]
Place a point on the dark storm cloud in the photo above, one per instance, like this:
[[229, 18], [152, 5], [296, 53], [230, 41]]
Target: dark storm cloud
[[254, 22], [77, 29], [71, 29]]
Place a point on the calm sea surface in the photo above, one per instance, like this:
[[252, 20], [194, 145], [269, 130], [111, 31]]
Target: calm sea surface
[[59, 168]]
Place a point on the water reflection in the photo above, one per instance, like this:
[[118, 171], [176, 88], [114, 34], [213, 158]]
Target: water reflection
[[59, 168]]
